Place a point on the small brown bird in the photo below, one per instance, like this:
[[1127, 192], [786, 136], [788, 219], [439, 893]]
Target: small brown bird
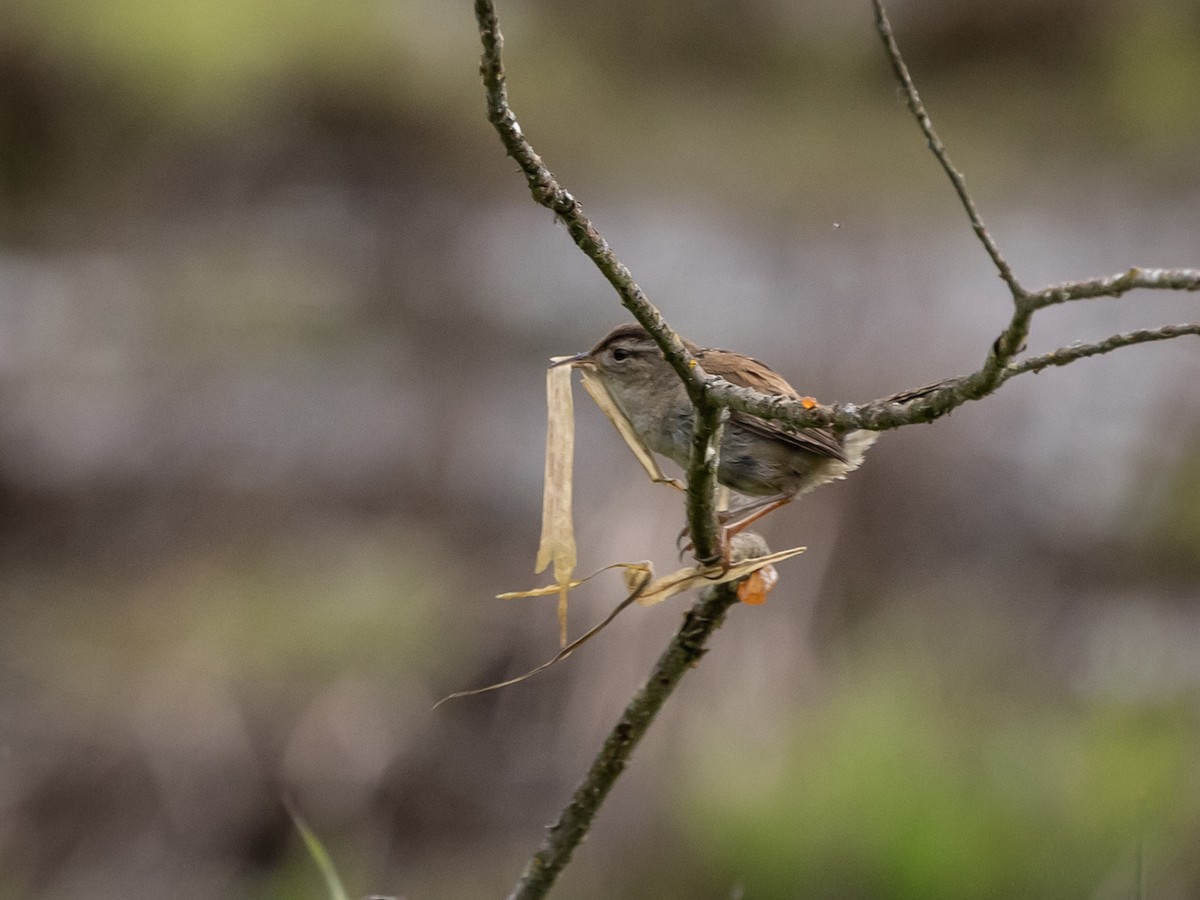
[[758, 457]]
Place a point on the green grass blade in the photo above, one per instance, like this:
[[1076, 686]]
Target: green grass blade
[[319, 854]]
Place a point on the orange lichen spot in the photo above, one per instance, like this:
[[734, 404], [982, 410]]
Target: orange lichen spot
[[809, 402], [754, 589]]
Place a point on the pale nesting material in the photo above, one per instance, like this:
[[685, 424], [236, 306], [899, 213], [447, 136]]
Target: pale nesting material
[[595, 387], [677, 582], [647, 590], [558, 534]]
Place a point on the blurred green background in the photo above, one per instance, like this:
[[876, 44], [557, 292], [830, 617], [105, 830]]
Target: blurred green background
[[274, 315]]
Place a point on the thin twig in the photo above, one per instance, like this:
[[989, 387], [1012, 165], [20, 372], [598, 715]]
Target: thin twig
[[1065, 355], [549, 193], [573, 823], [1116, 285], [884, 27]]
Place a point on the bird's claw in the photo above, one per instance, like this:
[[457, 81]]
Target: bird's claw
[[721, 558]]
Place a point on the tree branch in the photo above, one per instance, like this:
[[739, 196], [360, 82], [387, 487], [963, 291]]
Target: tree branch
[[702, 480], [549, 193], [1065, 355], [573, 823], [1116, 285]]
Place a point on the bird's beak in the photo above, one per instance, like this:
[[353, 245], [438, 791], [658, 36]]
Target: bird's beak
[[577, 359]]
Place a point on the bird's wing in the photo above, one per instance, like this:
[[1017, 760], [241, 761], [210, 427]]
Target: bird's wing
[[745, 371]]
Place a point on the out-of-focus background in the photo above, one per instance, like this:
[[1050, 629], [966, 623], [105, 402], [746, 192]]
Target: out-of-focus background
[[274, 315]]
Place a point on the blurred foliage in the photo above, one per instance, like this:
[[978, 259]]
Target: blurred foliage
[[205, 59], [320, 856], [903, 785], [1176, 542], [1151, 58], [299, 612], [621, 90]]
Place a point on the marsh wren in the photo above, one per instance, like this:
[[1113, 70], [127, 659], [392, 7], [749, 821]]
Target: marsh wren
[[759, 458]]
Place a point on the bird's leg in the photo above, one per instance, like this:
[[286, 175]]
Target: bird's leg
[[735, 521]]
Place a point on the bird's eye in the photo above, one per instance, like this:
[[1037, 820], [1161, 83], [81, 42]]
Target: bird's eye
[[620, 354]]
